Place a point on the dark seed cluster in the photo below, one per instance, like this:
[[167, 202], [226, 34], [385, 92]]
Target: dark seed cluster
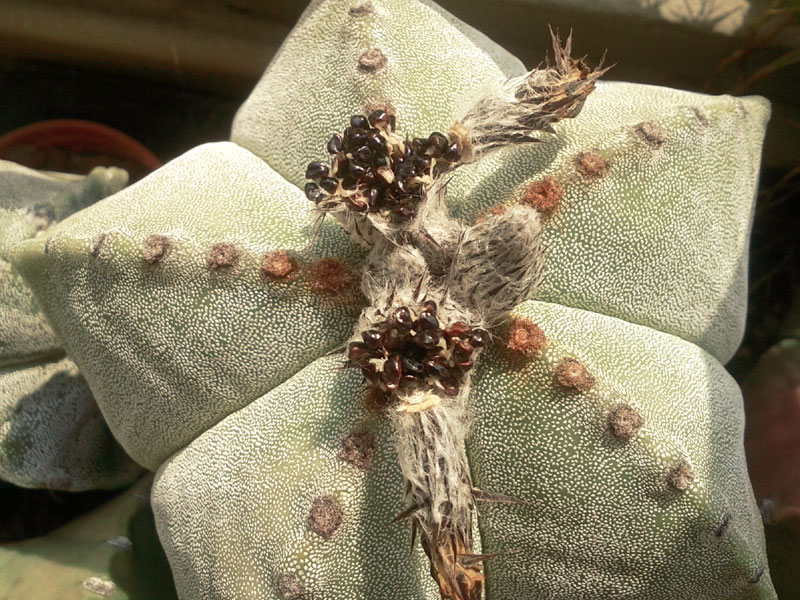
[[404, 351], [373, 169]]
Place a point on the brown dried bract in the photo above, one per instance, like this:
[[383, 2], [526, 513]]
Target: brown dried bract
[[329, 275], [277, 264], [592, 165], [372, 60], [361, 10], [544, 195], [624, 422], [571, 375], [156, 248], [325, 516], [222, 256], [680, 477], [526, 338], [495, 211], [651, 133], [359, 450]]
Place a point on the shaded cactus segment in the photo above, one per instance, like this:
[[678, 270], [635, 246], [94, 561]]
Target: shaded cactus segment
[[651, 502], [655, 236], [335, 64], [264, 505], [52, 434], [173, 341], [30, 201], [114, 547]]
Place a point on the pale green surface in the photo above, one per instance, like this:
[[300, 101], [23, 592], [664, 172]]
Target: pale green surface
[[52, 434], [262, 468], [662, 239], [168, 350], [599, 520], [24, 331], [54, 567], [437, 66]]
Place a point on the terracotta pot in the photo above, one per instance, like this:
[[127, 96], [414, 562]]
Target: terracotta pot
[[74, 146]]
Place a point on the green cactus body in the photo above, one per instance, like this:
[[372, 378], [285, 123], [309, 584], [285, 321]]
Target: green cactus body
[[52, 433], [612, 453]]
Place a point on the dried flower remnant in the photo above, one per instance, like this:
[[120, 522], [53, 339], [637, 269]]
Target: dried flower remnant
[[277, 264], [624, 422], [325, 517], [372, 60], [329, 276], [571, 375], [592, 165], [680, 477], [222, 256], [544, 195], [526, 338], [156, 248]]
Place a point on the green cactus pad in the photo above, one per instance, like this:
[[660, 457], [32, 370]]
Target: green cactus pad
[[234, 507], [52, 435], [29, 201], [428, 66], [600, 518], [661, 237], [112, 550], [173, 336], [597, 517]]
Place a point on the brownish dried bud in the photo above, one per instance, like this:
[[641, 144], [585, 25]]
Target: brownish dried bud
[[325, 517], [526, 338], [222, 257], [571, 375], [624, 422], [544, 195], [329, 275], [277, 264], [591, 165]]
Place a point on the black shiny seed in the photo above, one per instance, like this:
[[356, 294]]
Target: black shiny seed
[[313, 192], [335, 144], [363, 154], [479, 338], [453, 153], [426, 322], [315, 170], [402, 318], [329, 184], [373, 194], [405, 170], [436, 368], [378, 118], [349, 182], [358, 353], [426, 339], [437, 143], [381, 160], [392, 338], [422, 164], [359, 121], [368, 178], [429, 306], [393, 366], [376, 141], [356, 168], [392, 122], [372, 338], [413, 367], [399, 187], [418, 145], [354, 137]]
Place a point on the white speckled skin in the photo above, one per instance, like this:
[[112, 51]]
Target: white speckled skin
[[52, 434], [644, 269], [170, 349]]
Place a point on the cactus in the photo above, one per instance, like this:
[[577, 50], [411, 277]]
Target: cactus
[[589, 445], [52, 433]]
